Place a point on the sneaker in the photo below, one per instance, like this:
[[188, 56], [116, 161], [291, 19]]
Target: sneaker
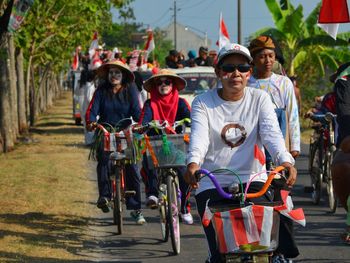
[[152, 202], [280, 259], [187, 218], [138, 217], [102, 203]]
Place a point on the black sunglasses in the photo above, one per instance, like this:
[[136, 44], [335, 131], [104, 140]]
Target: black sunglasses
[[228, 68], [166, 82]]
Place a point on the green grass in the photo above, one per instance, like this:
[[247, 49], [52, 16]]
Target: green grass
[[45, 191]]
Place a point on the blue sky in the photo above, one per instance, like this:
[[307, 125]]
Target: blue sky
[[203, 15]]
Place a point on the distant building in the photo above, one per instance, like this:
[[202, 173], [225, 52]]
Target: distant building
[[187, 38]]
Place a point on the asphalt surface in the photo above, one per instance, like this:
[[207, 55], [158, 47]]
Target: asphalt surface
[[319, 241]]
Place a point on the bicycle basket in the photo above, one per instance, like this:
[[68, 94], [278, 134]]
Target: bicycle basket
[[120, 142], [167, 150], [251, 229]]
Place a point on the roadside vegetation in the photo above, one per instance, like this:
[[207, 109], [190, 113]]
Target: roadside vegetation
[[45, 191]]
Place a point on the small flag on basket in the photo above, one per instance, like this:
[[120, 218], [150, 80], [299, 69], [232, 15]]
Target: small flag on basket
[[332, 13], [259, 160], [297, 215]]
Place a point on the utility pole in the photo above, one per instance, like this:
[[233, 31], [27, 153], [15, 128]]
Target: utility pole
[[175, 24], [239, 33]]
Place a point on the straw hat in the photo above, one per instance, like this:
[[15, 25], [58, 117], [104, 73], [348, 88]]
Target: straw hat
[[179, 82], [124, 68]]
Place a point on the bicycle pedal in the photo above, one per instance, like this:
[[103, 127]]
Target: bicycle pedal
[[129, 193]]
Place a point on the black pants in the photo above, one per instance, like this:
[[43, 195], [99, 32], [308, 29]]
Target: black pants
[[214, 197], [287, 245]]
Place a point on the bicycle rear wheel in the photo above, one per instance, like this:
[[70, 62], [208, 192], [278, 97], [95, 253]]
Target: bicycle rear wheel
[[173, 213], [117, 206], [332, 199], [316, 176]]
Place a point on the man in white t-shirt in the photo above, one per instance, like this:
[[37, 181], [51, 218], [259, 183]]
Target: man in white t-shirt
[[228, 124]]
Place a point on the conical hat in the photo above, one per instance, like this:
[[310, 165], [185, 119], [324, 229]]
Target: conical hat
[[124, 68], [179, 83]]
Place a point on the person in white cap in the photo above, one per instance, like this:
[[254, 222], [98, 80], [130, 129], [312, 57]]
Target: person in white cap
[[228, 124]]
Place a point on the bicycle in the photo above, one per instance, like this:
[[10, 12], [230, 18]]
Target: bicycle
[[118, 142], [237, 243], [165, 153], [321, 153]]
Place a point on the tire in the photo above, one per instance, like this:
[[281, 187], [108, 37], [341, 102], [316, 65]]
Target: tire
[[332, 200], [317, 176], [117, 207], [164, 226], [173, 213]]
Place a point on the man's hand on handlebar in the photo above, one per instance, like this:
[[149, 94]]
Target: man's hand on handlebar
[[190, 177], [295, 154], [292, 174]]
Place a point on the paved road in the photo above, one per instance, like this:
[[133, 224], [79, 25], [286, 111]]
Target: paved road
[[318, 241]]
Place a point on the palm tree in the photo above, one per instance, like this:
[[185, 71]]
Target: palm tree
[[302, 41]]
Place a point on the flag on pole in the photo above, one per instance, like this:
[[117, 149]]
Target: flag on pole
[[149, 46], [93, 45], [259, 160], [332, 13], [223, 34]]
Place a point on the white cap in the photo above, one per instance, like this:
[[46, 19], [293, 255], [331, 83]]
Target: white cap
[[233, 48]]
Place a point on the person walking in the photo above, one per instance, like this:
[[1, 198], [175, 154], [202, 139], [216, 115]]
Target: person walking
[[115, 99]]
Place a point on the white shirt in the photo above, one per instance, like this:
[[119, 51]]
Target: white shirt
[[255, 114]]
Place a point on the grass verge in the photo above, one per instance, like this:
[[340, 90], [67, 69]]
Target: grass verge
[[45, 193]]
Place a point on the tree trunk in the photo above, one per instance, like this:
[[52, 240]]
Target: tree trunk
[[32, 96], [22, 117], [13, 85], [7, 141]]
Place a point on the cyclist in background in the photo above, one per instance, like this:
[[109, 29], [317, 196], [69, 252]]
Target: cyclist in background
[[227, 126], [165, 105], [115, 99]]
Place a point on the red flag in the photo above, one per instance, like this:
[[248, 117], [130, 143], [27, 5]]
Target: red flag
[[223, 34], [150, 46], [333, 12], [259, 160]]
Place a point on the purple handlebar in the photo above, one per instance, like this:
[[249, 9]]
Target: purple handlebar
[[221, 191]]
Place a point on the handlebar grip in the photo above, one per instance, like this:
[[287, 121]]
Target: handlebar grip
[[267, 183], [197, 174]]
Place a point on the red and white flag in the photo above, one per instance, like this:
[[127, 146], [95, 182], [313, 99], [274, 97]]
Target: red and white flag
[[149, 46], [259, 160], [93, 45], [250, 225], [223, 34], [75, 64], [332, 13], [297, 215]]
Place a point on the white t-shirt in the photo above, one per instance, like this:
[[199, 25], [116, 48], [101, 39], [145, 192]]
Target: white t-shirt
[[252, 117]]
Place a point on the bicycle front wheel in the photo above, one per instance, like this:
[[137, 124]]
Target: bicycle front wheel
[[173, 213], [117, 206], [332, 199], [163, 211]]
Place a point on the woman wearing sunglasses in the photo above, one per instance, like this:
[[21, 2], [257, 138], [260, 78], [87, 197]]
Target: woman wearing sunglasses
[[227, 126], [165, 105]]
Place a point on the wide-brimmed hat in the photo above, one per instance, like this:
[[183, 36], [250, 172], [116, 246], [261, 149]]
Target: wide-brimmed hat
[[260, 43], [179, 82], [233, 48], [124, 68]]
